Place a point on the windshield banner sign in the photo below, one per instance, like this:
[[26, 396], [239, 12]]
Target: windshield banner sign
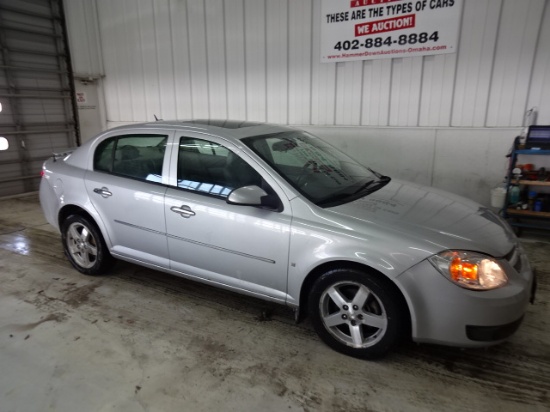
[[382, 29]]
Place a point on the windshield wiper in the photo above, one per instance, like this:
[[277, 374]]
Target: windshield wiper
[[372, 185], [365, 186], [378, 175], [365, 189]]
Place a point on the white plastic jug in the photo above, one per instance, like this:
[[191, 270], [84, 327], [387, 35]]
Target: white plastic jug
[[498, 195]]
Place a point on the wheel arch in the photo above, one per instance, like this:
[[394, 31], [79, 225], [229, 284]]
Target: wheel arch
[[69, 210], [73, 209], [91, 256], [318, 271]]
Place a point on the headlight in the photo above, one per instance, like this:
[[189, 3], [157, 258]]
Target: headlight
[[470, 270]]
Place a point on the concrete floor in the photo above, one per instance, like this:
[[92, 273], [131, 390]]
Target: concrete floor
[[140, 340]]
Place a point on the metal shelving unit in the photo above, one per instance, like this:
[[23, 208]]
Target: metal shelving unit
[[525, 218]]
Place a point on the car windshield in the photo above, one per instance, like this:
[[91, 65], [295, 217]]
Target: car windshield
[[323, 174]]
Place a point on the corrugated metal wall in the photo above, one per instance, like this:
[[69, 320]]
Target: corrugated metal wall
[[35, 91], [452, 116], [259, 60]]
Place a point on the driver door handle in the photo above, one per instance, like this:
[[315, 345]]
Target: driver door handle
[[184, 211], [104, 192]]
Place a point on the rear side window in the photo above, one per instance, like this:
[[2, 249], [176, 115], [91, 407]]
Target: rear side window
[[103, 159], [135, 156]]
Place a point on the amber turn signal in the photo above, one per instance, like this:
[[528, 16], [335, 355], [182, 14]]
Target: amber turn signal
[[463, 270]]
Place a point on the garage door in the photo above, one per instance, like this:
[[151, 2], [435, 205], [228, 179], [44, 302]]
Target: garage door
[[38, 108]]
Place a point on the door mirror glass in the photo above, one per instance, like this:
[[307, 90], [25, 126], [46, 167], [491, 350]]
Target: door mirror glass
[[246, 196], [4, 144]]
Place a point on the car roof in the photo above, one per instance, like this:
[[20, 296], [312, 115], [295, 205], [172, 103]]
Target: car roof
[[226, 128]]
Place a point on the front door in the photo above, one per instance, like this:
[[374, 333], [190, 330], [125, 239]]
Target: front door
[[241, 247]]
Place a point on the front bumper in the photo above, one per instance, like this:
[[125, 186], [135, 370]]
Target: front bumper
[[445, 313], [492, 333]]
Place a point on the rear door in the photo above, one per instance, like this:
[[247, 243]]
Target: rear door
[[240, 247], [126, 188]]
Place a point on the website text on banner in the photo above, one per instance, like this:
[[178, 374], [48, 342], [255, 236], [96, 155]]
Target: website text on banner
[[380, 29]]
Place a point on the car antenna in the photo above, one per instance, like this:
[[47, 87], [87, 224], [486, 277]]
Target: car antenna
[[156, 118]]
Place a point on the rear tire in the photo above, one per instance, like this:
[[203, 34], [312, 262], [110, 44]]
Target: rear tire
[[357, 313], [84, 246]]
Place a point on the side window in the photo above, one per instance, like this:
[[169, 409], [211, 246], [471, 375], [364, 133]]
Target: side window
[[103, 157], [211, 168], [135, 156]]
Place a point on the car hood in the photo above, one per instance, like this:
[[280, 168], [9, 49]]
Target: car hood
[[429, 218]]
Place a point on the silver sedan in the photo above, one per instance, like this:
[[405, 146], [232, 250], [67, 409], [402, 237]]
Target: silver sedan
[[276, 213]]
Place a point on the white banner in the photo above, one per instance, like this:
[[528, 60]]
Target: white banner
[[382, 29]]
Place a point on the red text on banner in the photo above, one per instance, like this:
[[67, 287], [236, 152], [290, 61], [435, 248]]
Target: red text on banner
[[381, 26]]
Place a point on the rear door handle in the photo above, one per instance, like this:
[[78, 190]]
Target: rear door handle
[[184, 211], [104, 192]]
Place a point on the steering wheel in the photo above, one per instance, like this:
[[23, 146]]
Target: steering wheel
[[303, 170]]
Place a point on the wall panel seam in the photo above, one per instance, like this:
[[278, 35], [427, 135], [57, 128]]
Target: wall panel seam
[[490, 81], [533, 61], [189, 59], [455, 76]]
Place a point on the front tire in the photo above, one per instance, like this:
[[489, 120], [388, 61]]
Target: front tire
[[84, 246], [357, 313]]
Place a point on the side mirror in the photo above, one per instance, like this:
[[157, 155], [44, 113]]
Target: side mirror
[[247, 196], [4, 144]]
